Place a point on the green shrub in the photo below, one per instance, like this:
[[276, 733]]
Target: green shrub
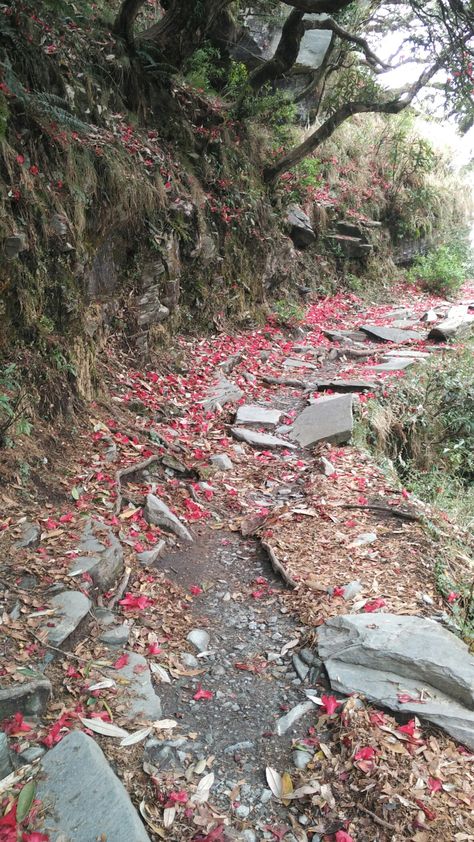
[[287, 314], [443, 271]]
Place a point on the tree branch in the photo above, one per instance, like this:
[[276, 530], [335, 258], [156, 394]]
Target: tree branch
[[334, 27], [285, 54], [322, 7]]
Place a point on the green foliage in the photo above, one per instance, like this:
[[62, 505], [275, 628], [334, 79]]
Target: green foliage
[[444, 270], [287, 313], [12, 405], [204, 69]]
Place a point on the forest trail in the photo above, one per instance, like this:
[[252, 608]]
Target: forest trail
[[201, 553]]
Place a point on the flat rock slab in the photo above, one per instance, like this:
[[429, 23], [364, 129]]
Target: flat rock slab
[[263, 440], [141, 699], [388, 655], [71, 607], [158, 513], [30, 536], [30, 699], [407, 354], [451, 327], [104, 559], [327, 419], [221, 393], [395, 364], [84, 800], [260, 416], [344, 385], [392, 334], [343, 335], [297, 363]]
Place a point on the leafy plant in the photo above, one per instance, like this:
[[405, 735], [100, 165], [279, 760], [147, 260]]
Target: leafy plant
[[287, 314], [444, 270], [13, 400]]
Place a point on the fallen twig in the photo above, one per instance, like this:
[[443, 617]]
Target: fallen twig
[[121, 588], [400, 513], [61, 651], [277, 565], [131, 469], [376, 819], [284, 381]]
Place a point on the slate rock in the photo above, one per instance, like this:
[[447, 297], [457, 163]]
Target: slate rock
[[395, 364], [158, 513], [450, 327], [301, 230], [384, 655], [116, 635], [139, 693], [222, 393], [29, 755], [71, 608], [150, 557], [340, 385], [301, 668], [30, 536], [292, 363], [200, 639], [104, 561], [327, 419], [407, 354], [83, 798], [265, 441], [222, 462], [260, 416], [327, 467], [6, 765], [30, 698], [392, 334]]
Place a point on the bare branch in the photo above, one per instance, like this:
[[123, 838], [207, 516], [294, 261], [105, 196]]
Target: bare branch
[[330, 24]]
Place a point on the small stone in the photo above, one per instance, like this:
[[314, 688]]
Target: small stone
[[71, 608], [262, 440], [139, 691], [104, 616], [30, 536], [29, 755], [222, 393], [395, 364], [248, 835], [287, 721], [266, 796], [222, 462], [301, 758], [351, 590], [303, 820], [242, 811], [363, 539], [189, 660], [104, 561], [158, 513], [199, 638], [149, 557], [260, 416], [6, 766], [327, 466], [116, 636], [427, 599], [245, 745], [327, 419], [301, 668]]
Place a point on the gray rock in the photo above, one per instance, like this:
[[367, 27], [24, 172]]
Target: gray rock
[[29, 755], [340, 385], [293, 715], [246, 745], [116, 636], [328, 419], [83, 798], [6, 765], [301, 668], [158, 513], [260, 416], [199, 638], [248, 835], [71, 607], [407, 353], [141, 698], [30, 699], [388, 654], [450, 327], [292, 363], [301, 230], [165, 755], [30, 536], [104, 616], [105, 563], [265, 441], [430, 316], [327, 466], [150, 557], [222, 462], [392, 334], [351, 590], [222, 393], [242, 811], [189, 660], [395, 364], [301, 758]]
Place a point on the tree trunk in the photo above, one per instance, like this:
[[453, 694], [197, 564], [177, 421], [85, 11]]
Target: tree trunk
[[285, 55], [124, 22], [183, 28]]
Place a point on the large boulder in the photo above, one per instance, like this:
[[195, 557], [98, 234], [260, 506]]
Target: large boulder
[[301, 230], [390, 658], [84, 800]]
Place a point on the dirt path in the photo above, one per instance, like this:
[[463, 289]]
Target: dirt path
[[257, 627]]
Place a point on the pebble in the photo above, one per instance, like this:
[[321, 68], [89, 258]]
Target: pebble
[[248, 836], [266, 796], [189, 660], [427, 599], [222, 462], [301, 758], [245, 745], [199, 638], [242, 811], [116, 636], [32, 753], [286, 722], [301, 668], [351, 590]]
